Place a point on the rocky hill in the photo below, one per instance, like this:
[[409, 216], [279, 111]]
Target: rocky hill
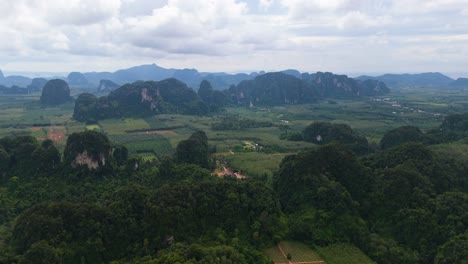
[[77, 78], [107, 86], [272, 89], [281, 88], [141, 99], [55, 92]]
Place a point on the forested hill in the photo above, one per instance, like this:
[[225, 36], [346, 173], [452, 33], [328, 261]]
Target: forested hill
[[280, 88], [173, 96], [140, 99], [406, 203]]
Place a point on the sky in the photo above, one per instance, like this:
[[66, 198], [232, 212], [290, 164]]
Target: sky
[[341, 36]]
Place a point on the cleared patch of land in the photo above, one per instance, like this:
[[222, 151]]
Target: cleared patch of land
[[299, 254], [343, 254]]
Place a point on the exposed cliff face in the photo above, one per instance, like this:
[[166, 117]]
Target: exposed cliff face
[[330, 85], [89, 161], [107, 86], [89, 149]]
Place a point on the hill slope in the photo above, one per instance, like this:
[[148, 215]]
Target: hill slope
[[428, 79]]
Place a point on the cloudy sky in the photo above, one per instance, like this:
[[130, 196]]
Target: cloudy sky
[[342, 36]]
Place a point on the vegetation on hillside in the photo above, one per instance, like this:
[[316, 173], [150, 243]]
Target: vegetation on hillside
[[55, 92], [402, 201]]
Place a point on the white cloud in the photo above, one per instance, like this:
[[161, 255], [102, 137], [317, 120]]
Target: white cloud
[[265, 4], [224, 35]]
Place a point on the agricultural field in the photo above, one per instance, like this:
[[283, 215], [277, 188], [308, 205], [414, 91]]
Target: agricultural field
[[298, 253], [343, 254], [371, 117], [137, 143], [147, 157]]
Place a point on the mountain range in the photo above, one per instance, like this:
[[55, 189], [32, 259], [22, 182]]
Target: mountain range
[[427, 79], [222, 81]]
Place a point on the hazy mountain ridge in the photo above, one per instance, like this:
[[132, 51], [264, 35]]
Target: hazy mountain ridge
[[428, 79], [460, 83], [222, 80]]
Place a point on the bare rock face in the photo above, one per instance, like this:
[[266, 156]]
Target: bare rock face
[[85, 159], [55, 92], [89, 149], [107, 86]]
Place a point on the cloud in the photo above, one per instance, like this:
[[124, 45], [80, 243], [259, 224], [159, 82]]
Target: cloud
[[265, 4], [235, 34]]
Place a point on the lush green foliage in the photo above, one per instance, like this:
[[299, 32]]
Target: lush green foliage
[[403, 204], [213, 99], [86, 108], [272, 89], [325, 133], [401, 135], [89, 150], [141, 99], [231, 122], [194, 150]]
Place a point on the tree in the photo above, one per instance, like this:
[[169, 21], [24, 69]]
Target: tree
[[120, 155], [194, 150], [401, 135], [322, 133], [4, 164], [86, 108], [454, 251], [42, 253]]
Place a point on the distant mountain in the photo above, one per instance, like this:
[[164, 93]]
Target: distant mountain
[[224, 80], [107, 86], [292, 72], [13, 90], [272, 89], [152, 72], [76, 78], [329, 85], [428, 79], [280, 88], [37, 84], [460, 83], [16, 80]]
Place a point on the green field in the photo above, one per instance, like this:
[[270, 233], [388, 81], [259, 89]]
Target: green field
[[343, 254], [94, 127], [23, 115], [300, 253]]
